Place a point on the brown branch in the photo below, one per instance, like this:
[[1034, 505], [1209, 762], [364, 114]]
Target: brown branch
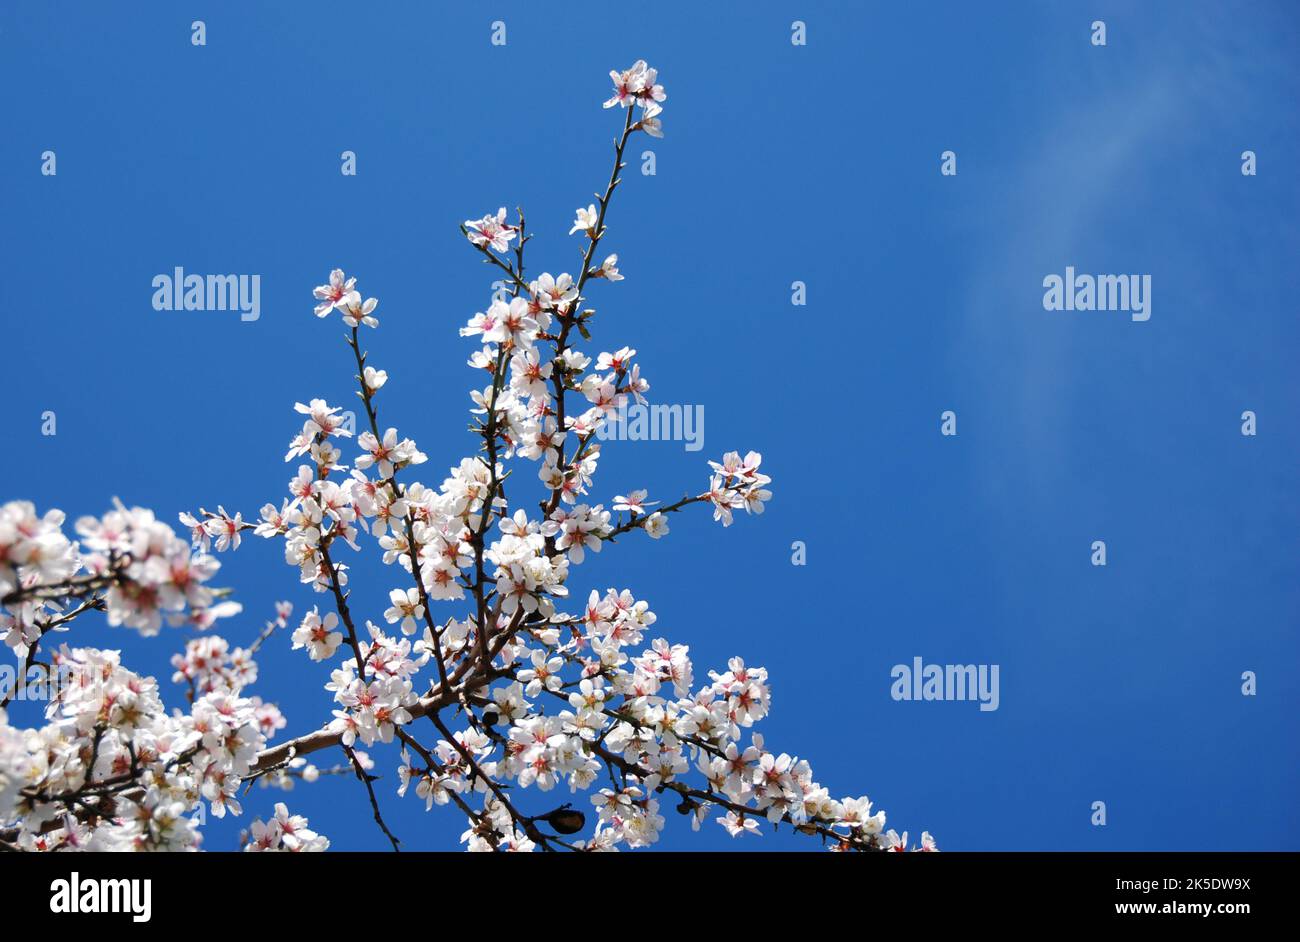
[[567, 321], [367, 779]]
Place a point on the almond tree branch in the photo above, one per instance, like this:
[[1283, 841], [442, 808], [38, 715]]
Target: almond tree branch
[[367, 779], [567, 321]]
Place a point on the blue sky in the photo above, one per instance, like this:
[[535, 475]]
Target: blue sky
[[781, 163]]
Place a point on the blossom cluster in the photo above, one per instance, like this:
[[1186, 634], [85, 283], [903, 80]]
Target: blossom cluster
[[340, 294], [284, 832], [137, 774], [638, 85], [209, 664], [13, 759], [631, 704], [134, 566], [33, 550], [375, 695]]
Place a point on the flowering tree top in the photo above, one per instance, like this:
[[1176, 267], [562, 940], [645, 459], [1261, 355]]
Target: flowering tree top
[[486, 682]]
